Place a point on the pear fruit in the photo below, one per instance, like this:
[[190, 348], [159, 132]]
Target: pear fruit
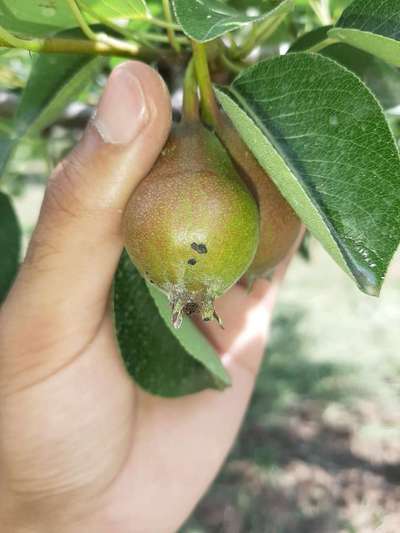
[[279, 224], [192, 226]]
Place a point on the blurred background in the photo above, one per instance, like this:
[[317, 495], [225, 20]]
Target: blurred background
[[319, 451]]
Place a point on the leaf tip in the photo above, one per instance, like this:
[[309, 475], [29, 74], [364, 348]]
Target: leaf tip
[[368, 281]]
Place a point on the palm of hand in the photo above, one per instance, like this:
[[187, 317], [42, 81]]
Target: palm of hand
[[81, 447], [87, 449]]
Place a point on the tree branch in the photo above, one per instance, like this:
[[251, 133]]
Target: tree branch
[[71, 46]]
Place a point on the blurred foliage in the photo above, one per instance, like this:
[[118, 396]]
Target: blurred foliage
[[14, 69], [37, 155]]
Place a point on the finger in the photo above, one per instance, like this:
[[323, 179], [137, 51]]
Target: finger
[[77, 243], [234, 308], [198, 431]]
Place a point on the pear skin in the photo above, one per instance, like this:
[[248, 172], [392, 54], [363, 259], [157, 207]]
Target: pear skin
[[192, 226], [279, 224]]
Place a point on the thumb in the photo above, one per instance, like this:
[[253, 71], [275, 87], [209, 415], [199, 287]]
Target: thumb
[[75, 248]]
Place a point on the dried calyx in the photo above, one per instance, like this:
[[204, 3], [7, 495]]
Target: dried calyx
[[192, 226], [206, 215]]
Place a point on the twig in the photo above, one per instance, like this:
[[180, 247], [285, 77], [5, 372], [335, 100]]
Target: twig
[[99, 37], [170, 31], [70, 46]]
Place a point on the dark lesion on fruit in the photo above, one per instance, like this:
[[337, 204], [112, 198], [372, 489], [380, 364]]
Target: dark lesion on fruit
[[192, 262], [191, 308], [200, 248]]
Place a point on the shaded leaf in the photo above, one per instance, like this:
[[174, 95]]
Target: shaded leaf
[[35, 17], [205, 20], [373, 26], [310, 39], [323, 138], [10, 245], [381, 78], [162, 360]]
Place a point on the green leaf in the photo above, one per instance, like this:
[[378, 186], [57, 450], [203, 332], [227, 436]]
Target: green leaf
[[162, 360], [205, 20], [10, 245], [135, 9], [381, 78], [323, 138], [35, 17], [245, 4], [40, 18], [373, 26], [310, 39], [55, 81]]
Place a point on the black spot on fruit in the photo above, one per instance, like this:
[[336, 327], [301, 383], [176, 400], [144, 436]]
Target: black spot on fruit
[[199, 248], [171, 207]]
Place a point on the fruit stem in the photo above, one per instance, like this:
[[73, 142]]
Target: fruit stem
[[209, 106], [190, 96]]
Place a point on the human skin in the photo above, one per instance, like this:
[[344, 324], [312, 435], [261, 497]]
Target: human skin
[[82, 448]]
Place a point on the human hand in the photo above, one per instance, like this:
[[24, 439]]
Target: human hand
[[82, 449]]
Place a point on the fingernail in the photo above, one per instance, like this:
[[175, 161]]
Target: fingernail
[[122, 112]]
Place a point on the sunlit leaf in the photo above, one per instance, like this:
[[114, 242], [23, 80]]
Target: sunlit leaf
[[204, 20], [135, 9], [35, 17]]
